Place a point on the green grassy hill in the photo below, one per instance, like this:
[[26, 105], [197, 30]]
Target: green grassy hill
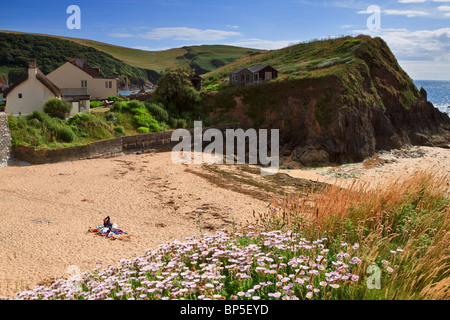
[[16, 50], [202, 59], [336, 100]]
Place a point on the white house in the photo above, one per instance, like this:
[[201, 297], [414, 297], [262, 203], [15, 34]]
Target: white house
[[31, 91]]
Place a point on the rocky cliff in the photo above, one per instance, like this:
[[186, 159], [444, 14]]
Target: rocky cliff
[[346, 99]]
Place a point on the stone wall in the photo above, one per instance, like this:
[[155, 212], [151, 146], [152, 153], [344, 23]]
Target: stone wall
[[5, 140], [151, 142]]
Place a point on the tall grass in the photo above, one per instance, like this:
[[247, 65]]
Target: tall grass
[[411, 214]]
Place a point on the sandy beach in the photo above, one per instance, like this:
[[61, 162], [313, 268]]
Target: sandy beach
[[46, 210]]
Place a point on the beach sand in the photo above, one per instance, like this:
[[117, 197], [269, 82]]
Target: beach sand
[[46, 210]]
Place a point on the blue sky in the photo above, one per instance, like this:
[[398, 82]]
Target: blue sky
[[418, 31]]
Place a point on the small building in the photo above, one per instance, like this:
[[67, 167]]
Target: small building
[[196, 81], [31, 91], [253, 76], [76, 73], [241, 77], [263, 73], [78, 98]]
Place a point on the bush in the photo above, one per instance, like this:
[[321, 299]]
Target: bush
[[178, 123], [119, 130], [96, 104], [127, 107], [117, 106], [13, 122], [2, 106], [112, 117], [66, 134], [80, 118], [57, 108], [158, 112], [143, 130]]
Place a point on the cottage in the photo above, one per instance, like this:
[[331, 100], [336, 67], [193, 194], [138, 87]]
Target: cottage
[[253, 76], [76, 73], [31, 91], [241, 77], [263, 73]]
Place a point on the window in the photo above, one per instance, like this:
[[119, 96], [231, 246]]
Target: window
[[247, 78], [242, 78], [108, 84], [256, 77], [20, 96], [84, 83], [268, 75]]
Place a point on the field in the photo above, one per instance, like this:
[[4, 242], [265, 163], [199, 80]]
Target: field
[[202, 58]]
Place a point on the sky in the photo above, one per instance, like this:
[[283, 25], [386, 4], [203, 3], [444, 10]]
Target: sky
[[417, 31]]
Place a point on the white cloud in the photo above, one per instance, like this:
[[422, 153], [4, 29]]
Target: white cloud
[[180, 33], [263, 44], [424, 54], [408, 13], [411, 1]]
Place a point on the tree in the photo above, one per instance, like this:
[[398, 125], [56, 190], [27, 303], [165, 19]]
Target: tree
[[176, 88], [57, 108]]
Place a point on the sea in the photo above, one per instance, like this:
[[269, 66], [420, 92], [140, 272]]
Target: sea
[[127, 93], [438, 93]]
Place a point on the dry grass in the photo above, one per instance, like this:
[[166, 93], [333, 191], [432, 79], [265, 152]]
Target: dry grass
[[411, 214]]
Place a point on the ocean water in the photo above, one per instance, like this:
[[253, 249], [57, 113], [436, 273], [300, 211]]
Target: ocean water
[[127, 93], [438, 93]]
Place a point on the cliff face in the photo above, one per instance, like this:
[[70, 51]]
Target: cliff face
[[341, 113]]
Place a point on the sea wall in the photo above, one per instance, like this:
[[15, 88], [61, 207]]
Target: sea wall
[[151, 142], [5, 140]]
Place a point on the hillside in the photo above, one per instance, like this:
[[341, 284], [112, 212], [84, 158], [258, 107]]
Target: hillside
[[16, 50], [335, 101], [202, 59]]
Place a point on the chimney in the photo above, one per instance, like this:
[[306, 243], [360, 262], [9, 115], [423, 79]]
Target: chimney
[[32, 69]]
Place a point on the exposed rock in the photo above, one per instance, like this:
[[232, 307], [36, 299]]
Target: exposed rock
[[347, 115]]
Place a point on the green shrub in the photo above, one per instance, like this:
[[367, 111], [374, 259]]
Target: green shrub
[[117, 106], [158, 112], [96, 104], [35, 123], [81, 117], [178, 123], [119, 130], [66, 134], [57, 108], [2, 106], [127, 107], [112, 117], [13, 123], [143, 130]]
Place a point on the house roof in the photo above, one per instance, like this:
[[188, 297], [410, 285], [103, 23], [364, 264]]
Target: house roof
[[82, 65], [239, 70], [41, 77], [258, 68]]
